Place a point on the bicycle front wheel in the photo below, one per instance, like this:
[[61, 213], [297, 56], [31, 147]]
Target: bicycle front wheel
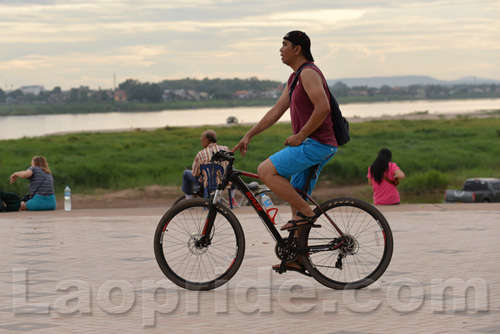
[[180, 199], [360, 257], [181, 257]]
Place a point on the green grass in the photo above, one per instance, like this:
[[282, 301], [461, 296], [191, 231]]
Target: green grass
[[434, 154]]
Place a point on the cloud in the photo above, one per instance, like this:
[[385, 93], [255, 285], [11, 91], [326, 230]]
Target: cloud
[[149, 39]]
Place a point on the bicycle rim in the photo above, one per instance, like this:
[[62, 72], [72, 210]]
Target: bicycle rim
[[363, 256], [187, 264]]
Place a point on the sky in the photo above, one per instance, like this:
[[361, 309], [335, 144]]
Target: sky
[[68, 43]]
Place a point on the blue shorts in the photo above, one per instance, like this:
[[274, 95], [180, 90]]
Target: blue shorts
[[295, 161], [40, 203]]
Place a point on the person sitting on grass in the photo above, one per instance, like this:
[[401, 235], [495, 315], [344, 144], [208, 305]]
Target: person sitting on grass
[[41, 187], [384, 175]]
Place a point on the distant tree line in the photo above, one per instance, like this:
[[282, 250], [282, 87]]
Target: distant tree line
[[225, 89], [221, 88], [418, 91]]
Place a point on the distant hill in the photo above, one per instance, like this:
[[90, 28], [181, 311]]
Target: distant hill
[[408, 80]]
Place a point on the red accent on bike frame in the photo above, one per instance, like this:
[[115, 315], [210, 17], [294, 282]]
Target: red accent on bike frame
[[317, 205], [255, 202], [205, 227], [255, 176]]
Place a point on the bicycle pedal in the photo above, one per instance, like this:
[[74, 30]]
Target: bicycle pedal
[[299, 226], [278, 270], [304, 225]]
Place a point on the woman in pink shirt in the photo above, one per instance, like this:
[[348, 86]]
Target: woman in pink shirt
[[383, 176]]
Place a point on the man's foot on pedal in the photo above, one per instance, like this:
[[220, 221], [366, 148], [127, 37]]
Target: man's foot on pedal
[[304, 221], [292, 266]]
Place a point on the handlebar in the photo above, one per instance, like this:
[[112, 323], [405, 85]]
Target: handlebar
[[223, 156]]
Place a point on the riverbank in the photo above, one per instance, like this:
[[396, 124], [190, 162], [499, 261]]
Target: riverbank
[[429, 148], [410, 116], [16, 127]]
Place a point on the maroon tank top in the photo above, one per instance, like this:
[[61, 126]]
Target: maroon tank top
[[301, 109]]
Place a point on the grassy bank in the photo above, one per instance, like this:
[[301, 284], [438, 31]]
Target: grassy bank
[[434, 154]]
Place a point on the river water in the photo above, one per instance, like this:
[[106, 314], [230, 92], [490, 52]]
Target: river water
[[14, 127]]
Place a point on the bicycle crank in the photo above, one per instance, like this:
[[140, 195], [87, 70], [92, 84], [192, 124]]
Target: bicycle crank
[[287, 253]]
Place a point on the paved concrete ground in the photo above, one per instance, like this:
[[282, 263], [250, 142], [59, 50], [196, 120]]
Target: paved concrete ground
[[94, 271]]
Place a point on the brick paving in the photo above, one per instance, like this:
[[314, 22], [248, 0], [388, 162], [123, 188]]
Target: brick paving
[[94, 271]]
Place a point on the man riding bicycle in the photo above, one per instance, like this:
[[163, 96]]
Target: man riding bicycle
[[313, 141]]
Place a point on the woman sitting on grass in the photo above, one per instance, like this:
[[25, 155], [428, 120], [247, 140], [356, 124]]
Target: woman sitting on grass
[[383, 176], [41, 187]]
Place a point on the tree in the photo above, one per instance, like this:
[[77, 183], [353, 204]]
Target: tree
[[2, 95], [73, 95], [128, 85], [340, 89], [385, 90], [57, 90], [17, 95], [153, 93], [42, 96], [103, 95]]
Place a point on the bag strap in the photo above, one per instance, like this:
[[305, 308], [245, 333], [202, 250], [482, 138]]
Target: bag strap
[[294, 81], [394, 182]]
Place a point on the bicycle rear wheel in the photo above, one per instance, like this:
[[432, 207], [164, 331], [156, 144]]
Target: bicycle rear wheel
[[183, 260], [363, 256]]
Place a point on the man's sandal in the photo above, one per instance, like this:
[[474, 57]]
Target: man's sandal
[[297, 268], [305, 221]]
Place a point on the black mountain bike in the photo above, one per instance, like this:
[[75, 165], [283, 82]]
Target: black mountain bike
[[199, 243]]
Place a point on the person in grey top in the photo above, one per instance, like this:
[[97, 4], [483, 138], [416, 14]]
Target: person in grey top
[[41, 186]]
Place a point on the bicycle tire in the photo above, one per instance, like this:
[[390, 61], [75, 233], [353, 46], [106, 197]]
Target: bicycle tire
[[180, 199], [190, 266], [367, 254]]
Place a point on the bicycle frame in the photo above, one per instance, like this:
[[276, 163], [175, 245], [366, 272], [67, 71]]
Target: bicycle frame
[[234, 176], [348, 246]]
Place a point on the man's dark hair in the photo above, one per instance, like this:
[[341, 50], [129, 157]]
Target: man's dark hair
[[298, 37], [211, 136]]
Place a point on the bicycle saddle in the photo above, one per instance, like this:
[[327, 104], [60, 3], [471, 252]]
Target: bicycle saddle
[[253, 185]]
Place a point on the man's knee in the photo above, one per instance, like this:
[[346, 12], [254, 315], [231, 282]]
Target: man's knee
[[266, 169]]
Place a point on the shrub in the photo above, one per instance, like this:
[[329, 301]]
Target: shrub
[[430, 181]]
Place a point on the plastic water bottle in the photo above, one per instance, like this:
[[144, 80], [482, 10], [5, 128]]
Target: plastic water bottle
[[271, 210], [67, 199]]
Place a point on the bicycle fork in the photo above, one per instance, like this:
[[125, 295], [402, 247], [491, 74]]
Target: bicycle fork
[[205, 239]]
